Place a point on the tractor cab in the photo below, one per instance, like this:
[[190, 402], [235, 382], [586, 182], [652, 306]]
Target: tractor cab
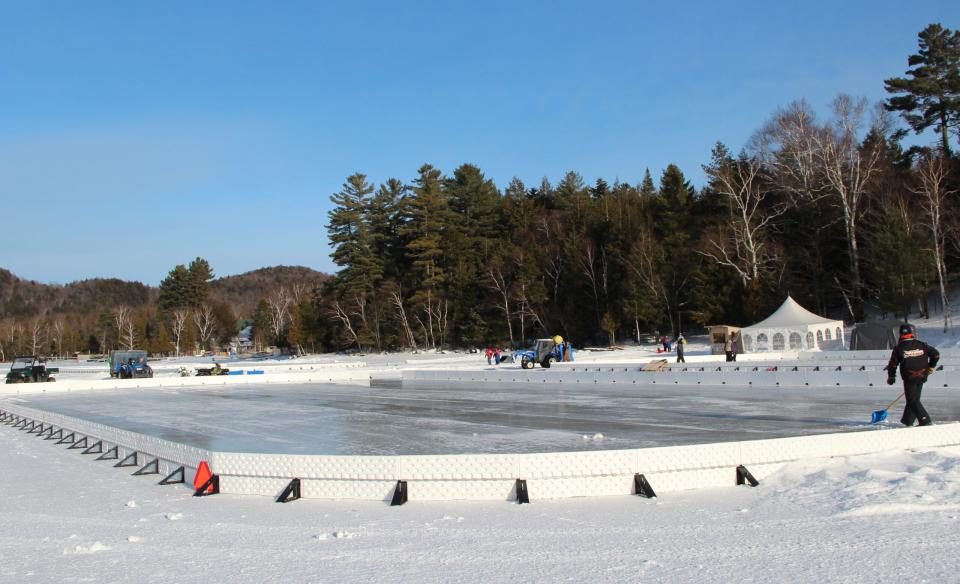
[[544, 351], [30, 369], [129, 365]]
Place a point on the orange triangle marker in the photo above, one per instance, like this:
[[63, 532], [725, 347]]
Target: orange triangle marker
[[203, 475]]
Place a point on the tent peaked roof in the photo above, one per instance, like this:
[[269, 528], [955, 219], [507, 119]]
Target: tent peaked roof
[[791, 314]]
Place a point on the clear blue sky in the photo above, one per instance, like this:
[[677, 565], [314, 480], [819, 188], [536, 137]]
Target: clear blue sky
[[137, 135]]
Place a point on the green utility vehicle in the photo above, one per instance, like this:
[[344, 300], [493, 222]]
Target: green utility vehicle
[[30, 369]]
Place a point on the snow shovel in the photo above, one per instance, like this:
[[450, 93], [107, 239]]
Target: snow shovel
[[881, 415]]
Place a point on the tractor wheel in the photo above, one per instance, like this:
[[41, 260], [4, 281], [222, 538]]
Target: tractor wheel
[[546, 363], [526, 364]]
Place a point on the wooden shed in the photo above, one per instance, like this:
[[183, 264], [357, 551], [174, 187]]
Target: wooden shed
[[719, 334]]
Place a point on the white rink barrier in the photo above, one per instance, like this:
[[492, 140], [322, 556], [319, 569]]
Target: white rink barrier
[[482, 476], [352, 376], [137, 451], [619, 374]]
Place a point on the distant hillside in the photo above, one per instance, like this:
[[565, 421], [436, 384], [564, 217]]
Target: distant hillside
[[244, 291], [21, 298], [27, 298]]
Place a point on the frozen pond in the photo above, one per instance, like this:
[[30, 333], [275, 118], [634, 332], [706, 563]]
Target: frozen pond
[[341, 419]]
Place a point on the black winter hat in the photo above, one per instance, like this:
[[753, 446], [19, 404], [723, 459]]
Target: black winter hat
[[906, 329]]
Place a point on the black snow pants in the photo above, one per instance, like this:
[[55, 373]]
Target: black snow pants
[[914, 410]]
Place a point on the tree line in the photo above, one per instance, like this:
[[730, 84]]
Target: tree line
[[191, 311], [833, 210]]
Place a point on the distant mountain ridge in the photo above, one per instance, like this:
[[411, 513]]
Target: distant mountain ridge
[[20, 298]]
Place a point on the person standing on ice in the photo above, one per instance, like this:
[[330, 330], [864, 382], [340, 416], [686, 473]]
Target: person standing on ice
[[680, 343], [917, 360]]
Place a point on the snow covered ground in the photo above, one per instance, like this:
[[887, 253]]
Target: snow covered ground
[[861, 519], [865, 519]]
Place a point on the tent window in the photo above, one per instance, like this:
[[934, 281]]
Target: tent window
[[809, 340], [820, 339], [795, 342], [826, 334], [748, 342], [839, 334], [762, 342], [778, 342]]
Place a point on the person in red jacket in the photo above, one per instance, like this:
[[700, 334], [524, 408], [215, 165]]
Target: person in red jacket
[[916, 360]]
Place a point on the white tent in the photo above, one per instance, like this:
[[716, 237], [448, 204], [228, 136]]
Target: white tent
[[793, 328]]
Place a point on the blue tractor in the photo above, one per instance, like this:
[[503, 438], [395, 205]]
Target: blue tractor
[[129, 365], [544, 351]]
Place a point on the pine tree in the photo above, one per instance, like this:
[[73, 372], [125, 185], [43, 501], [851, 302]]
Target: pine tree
[[199, 283], [350, 235], [385, 218], [930, 95], [261, 325], [427, 220], [175, 289]]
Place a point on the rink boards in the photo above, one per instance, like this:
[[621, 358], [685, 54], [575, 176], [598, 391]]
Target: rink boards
[[474, 477]]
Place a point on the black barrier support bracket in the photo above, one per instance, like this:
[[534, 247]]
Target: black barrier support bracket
[[399, 494], [55, 435], [112, 454], [81, 443], [98, 445], [213, 481], [291, 493], [68, 439], [522, 495], [744, 477], [642, 487], [152, 467], [174, 478], [128, 460]]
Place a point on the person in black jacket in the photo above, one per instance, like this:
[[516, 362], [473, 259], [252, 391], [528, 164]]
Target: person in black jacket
[[917, 360]]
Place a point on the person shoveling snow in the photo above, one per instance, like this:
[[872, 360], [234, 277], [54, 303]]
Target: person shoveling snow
[[916, 360]]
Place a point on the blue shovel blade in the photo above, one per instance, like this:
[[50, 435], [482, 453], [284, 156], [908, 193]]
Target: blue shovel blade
[[878, 416]]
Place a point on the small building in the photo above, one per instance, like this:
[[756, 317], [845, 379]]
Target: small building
[[719, 335]]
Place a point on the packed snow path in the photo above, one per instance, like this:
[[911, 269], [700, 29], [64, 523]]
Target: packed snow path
[[865, 519]]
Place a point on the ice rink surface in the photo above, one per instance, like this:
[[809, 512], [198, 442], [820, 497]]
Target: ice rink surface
[[356, 420]]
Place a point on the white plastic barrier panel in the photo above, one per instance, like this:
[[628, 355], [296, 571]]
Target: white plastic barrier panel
[[493, 476]]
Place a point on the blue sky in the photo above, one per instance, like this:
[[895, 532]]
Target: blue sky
[[138, 135]]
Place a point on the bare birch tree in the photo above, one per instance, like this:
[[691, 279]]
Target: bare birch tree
[[933, 189], [122, 317], [178, 324], [205, 322], [130, 334], [741, 244], [848, 170], [395, 294], [56, 333], [339, 314], [279, 304], [36, 336], [298, 290], [788, 145], [587, 259], [497, 282]]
